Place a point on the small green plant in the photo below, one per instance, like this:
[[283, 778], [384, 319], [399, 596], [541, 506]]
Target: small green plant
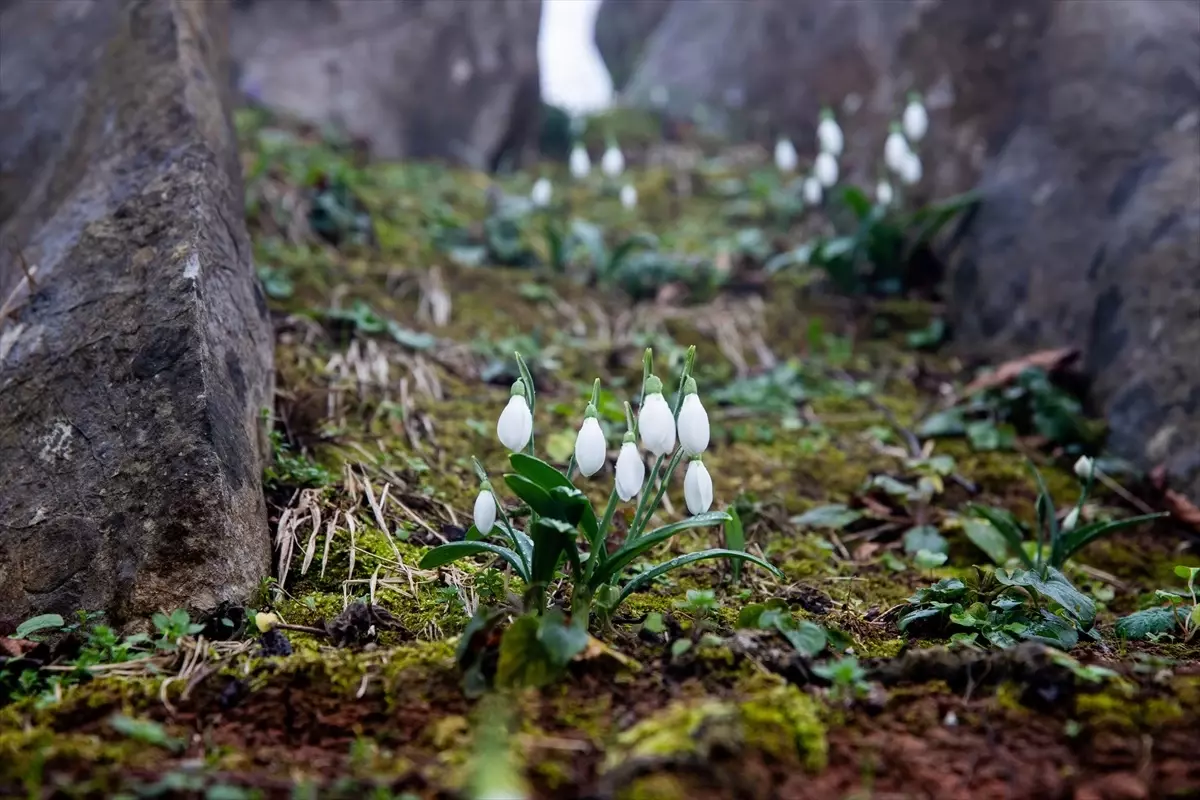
[[699, 604], [808, 638], [560, 517], [287, 469], [173, 627], [1055, 542], [1178, 613], [847, 679]]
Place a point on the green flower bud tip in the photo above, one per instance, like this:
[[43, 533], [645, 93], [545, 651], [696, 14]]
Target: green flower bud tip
[[629, 438], [518, 389], [485, 486], [589, 412], [914, 97], [826, 112], [689, 386], [895, 127], [653, 385]]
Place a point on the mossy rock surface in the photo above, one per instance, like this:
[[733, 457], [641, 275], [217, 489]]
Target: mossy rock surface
[[378, 423]]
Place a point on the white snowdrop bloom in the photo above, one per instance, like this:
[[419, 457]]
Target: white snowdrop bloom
[[884, 194], [911, 171], [1084, 467], [580, 164], [693, 421], [829, 134], [485, 511], [812, 191], [697, 488], [631, 470], [516, 421], [785, 155], [612, 163], [656, 423], [915, 119], [826, 169], [628, 197], [895, 150], [590, 447], [541, 193], [1071, 520]]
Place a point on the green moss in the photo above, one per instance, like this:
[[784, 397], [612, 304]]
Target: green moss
[[782, 722]]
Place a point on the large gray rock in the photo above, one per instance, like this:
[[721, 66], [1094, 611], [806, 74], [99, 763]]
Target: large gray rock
[[135, 363], [1079, 120], [456, 80]]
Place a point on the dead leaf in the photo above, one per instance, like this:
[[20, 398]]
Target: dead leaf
[[15, 648], [1181, 508], [1049, 360], [597, 650]]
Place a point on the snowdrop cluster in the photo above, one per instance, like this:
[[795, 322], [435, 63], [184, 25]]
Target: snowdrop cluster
[[899, 150], [825, 171]]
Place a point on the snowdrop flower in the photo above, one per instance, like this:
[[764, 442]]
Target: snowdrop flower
[[580, 164], [693, 421], [910, 171], [895, 150], [1071, 520], [485, 509], [829, 134], [812, 191], [884, 194], [542, 192], [826, 169], [590, 447], [612, 163], [516, 421], [915, 119], [785, 155], [628, 197], [631, 470], [1084, 467], [697, 487], [656, 423]]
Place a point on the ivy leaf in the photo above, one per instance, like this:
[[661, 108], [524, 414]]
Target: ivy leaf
[[835, 516], [925, 537], [562, 640], [987, 538], [39, 623], [523, 659], [1149, 622]]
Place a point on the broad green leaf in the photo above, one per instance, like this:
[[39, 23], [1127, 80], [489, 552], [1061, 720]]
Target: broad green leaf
[[1047, 517], [918, 613], [548, 477], [835, 516], [452, 551], [145, 731], [748, 617], [533, 494], [649, 575], [1008, 527], [523, 660], [927, 559], [987, 538], [942, 423], [39, 623], [807, 637], [924, 537], [1151, 621], [1071, 542], [552, 539], [735, 539], [857, 201], [562, 640], [629, 551], [1055, 586]]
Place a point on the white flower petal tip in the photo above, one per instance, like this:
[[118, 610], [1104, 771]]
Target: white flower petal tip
[[631, 472], [915, 121], [693, 425], [580, 165], [785, 156], [911, 171], [656, 424], [1084, 467], [884, 194], [697, 488], [542, 193], [485, 511], [1071, 520], [826, 169], [895, 151], [829, 134], [516, 424], [612, 163], [590, 447], [629, 197], [812, 191]]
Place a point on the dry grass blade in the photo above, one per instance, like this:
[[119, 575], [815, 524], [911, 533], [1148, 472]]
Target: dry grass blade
[[1049, 360], [377, 510], [330, 532]]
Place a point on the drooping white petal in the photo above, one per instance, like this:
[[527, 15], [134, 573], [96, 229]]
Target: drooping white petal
[[895, 151], [590, 447], [631, 471], [629, 196], [485, 511], [829, 134], [516, 424], [542, 192], [911, 171], [697, 488], [612, 162], [656, 424], [826, 169], [1071, 520], [785, 156], [1083, 467], [580, 164], [693, 425], [915, 121], [812, 191], [884, 194]]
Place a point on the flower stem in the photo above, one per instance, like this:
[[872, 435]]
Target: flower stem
[[662, 488], [601, 535], [635, 530]]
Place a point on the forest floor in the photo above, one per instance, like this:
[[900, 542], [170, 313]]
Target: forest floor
[[395, 334]]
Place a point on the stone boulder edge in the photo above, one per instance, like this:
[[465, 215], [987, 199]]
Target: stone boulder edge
[[134, 368], [413, 80]]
